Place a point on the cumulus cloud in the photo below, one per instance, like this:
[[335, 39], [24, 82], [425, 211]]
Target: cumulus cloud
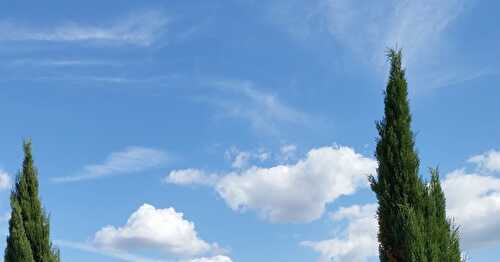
[[5, 180], [131, 160], [151, 228], [488, 161], [296, 192], [473, 200], [473, 203], [140, 29], [357, 242]]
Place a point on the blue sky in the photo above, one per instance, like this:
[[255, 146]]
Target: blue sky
[[216, 131]]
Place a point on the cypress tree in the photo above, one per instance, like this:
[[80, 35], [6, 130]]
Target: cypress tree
[[398, 187], [411, 215], [26, 205], [443, 241]]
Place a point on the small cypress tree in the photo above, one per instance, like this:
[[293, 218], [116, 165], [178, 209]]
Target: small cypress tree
[[443, 241], [26, 205]]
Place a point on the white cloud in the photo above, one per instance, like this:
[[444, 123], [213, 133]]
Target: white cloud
[[488, 161], [297, 192], [473, 203], [212, 259], [138, 29], [131, 160], [473, 200], [190, 176], [5, 180], [151, 228], [263, 110], [357, 242]]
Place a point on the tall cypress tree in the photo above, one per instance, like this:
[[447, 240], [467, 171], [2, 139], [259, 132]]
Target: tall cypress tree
[[398, 186], [26, 205], [411, 215]]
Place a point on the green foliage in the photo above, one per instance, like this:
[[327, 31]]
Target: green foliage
[[443, 241], [18, 246], [29, 223], [411, 215]]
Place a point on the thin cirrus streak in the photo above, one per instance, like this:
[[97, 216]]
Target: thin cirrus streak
[[141, 29], [130, 160]]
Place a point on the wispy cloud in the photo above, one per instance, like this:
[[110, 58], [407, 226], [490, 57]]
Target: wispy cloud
[[366, 29], [141, 29], [60, 62], [126, 256], [416, 26], [263, 110], [121, 255], [130, 160], [109, 79]]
